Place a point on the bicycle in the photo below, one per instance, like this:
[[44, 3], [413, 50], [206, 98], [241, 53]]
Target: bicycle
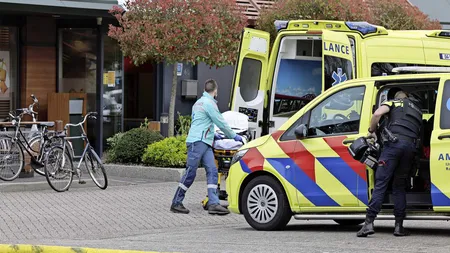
[[58, 158], [13, 146]]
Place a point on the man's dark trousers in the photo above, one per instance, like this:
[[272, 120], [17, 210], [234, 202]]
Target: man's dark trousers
[[395, 160]]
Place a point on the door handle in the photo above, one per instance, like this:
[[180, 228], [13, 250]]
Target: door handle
[[443, 136], [348, 141]]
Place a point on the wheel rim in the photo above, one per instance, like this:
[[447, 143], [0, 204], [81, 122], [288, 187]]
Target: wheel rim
[[262, 203]]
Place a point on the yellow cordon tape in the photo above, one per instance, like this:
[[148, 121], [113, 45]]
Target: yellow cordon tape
[[19, 248]]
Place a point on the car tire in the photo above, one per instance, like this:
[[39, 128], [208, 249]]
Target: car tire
[[265, 205], [349, 222]]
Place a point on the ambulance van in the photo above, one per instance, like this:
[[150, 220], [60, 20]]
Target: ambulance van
[[308, 57], [305, 170]]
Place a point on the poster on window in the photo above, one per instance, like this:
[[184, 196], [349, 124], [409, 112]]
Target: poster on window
[[299, 81], [4, 74]]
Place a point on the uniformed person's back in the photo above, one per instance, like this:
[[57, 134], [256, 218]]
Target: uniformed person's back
[[401, 130]]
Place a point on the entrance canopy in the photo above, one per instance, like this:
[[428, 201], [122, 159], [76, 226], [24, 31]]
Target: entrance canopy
[[97, 8]]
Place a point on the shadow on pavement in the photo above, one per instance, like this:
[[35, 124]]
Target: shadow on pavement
[[381, 229]]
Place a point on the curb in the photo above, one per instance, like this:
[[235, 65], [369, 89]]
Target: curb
[[24, 186], [145, 172], [114, 170], [16, 248]]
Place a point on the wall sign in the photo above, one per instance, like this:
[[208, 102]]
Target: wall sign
[[4, 74]]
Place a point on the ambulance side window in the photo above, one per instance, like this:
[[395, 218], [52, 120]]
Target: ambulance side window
[[339, 113], [445, 107], [249, 80], [337, 70], [289, 135]]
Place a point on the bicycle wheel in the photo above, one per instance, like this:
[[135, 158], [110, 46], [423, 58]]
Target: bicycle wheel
[[58, 169], [95, 168], [11, 159]]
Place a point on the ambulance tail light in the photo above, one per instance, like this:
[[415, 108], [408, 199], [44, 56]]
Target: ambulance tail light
[[362, 27], [281, 24], [238, 156]]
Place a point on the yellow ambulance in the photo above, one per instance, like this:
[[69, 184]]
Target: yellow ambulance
[[312, 175], [308, 57]]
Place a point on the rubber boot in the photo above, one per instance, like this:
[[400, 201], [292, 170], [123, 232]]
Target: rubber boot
[[367, 228], [399, 229]]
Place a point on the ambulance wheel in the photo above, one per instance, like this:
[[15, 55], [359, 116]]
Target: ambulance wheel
[[349, 222], [265, 205]]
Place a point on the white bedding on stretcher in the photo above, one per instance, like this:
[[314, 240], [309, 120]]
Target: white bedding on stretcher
[[227, 144], [239, 124]]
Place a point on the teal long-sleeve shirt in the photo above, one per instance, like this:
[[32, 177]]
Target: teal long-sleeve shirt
[[205, 114]]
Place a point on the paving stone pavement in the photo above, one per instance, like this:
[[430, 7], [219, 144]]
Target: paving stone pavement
[[137, 217], [88, 213]]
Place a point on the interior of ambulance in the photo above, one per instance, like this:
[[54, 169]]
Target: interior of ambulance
[[419, 188], [298, 73]]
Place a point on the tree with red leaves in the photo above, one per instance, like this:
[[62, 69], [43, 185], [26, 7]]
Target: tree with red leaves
[[392, 14], [174, 31]]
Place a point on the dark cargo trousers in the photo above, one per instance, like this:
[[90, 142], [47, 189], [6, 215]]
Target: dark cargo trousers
[[198, 152], [396, 160]]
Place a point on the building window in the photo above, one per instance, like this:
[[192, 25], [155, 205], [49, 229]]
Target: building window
[[249, 80], [112, 89], [8, 70], [77, 74]]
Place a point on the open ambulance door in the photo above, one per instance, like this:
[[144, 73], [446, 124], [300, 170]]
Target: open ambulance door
[[440, 150], [250, 78], [338, 55]]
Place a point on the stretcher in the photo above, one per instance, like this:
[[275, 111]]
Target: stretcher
[[224, 150]]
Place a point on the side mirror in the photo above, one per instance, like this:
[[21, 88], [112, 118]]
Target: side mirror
[[301, 132]]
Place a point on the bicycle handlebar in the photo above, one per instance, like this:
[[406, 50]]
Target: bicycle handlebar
[[88, 115], [28, 111]]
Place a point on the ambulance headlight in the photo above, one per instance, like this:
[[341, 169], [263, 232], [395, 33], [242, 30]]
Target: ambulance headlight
[[362, 27], [238, 156]]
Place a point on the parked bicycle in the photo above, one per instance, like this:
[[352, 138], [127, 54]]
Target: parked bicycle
[[35, 144], [59, 167]]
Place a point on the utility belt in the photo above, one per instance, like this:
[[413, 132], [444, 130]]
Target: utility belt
[[389, 136], [406, 138]]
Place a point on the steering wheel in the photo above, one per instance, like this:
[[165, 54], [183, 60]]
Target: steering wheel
[[335, 117]]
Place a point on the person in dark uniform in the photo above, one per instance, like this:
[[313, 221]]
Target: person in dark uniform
[[404, 119]]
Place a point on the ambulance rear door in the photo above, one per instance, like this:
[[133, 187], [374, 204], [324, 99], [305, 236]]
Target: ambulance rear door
[[338, 58], [250, 78], [440, 150]]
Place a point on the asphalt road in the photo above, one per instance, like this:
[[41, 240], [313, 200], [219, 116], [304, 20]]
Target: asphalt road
[[136, 216]]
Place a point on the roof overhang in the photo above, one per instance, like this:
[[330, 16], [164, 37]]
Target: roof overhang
[[99, 8]]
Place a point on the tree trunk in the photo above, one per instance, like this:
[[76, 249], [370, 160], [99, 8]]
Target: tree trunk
[[172, 102]]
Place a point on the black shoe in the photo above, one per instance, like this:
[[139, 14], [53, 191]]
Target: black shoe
[[179, 208], [399, 229], [367, 228], [218, 209]]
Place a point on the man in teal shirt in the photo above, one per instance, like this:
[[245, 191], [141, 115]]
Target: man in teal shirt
[[205, 114]]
